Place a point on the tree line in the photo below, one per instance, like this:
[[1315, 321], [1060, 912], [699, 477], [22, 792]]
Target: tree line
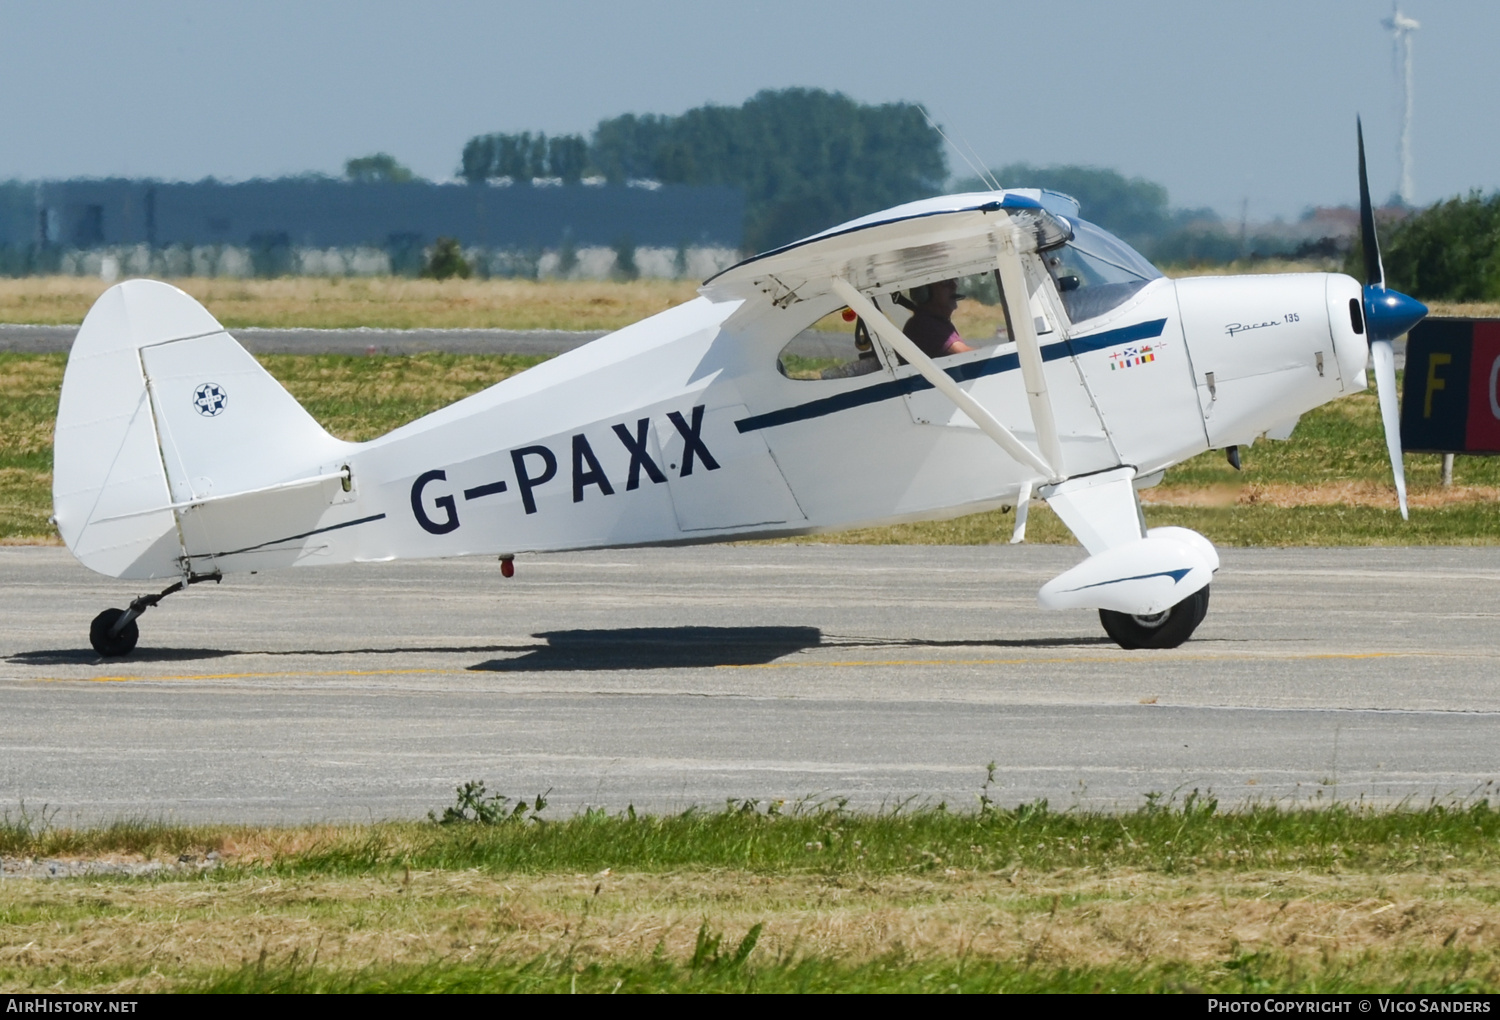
[[1449, 251], [805, 158]]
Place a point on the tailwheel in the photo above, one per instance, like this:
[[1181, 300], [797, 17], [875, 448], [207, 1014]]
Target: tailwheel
[[110, 636], [114, 632], [1166, 629]]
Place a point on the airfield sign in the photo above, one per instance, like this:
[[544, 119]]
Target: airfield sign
[[1451, 398]]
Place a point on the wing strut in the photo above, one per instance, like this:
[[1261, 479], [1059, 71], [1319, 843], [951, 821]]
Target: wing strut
[[940, 380], [1029, 352]]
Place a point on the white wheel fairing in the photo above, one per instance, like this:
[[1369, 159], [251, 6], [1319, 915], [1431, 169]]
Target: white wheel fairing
[[1145, 577]]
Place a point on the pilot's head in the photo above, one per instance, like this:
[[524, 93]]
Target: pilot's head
[[940, 298]]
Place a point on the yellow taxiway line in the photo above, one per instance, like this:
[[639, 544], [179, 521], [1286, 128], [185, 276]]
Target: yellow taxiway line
[[833, 664]]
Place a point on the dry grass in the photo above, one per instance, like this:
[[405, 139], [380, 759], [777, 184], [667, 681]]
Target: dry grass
[[399, 303], [1342, 493], [384, 302], [1471, 309], [1066, 919]]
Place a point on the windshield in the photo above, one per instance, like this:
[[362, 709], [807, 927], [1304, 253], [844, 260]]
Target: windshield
[[1096, 271]]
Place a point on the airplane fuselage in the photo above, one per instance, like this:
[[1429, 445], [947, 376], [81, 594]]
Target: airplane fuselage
[[689, 432]]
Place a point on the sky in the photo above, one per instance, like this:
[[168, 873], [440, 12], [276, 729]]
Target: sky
[[1225, 102]]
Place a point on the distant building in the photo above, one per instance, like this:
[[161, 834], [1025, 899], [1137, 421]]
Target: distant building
[[313, 213]]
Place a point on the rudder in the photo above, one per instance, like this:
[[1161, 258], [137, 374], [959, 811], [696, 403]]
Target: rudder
[[163, 413]]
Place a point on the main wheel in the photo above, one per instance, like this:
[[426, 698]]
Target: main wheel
[[1161, 630], [110, 645]]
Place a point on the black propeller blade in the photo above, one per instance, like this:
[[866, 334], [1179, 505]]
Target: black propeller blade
[[1374, 271], [1388, 314]]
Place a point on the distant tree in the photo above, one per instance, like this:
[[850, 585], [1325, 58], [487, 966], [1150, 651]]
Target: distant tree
[[567, 157], [805, 158], [625, 267], [380, 168], [567, 255], [1449, 251], [626, 147], [405, 252], [479, 159], [271, 254], [446, 261], [536, 155], [511, 154], [524, 156]]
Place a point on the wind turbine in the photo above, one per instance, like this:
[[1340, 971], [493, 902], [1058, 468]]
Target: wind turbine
[[1403, 27]]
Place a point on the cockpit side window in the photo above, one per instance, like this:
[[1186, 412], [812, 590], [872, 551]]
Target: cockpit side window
[[1096, 272], [839, 345]]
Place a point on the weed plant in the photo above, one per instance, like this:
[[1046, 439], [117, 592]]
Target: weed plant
[[1168, 835], [828, 839]]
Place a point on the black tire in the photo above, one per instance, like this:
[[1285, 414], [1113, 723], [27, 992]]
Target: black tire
[[114, 645], [1164, 630]]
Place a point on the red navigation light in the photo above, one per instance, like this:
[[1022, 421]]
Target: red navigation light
[[507, 566], [849, 315]]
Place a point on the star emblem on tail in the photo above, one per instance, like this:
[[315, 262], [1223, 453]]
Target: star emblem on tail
[[210, 399]]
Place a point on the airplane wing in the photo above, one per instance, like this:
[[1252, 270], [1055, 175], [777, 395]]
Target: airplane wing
[[953, 235]]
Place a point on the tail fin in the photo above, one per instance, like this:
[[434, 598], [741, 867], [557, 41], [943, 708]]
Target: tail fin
[[164, 416]]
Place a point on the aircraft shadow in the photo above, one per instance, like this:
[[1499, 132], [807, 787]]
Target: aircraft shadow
[[1059, 642], [89, 657], [584, 650], [657, 648], [397, 650]]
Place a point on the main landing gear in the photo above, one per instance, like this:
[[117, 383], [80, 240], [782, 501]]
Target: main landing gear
[[1160, 630], [114, 633]]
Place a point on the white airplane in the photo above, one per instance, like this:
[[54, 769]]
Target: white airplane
[[178, 456]]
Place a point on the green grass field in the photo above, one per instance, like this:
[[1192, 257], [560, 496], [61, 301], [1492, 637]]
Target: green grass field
[[1328, 485], [1175, 895]]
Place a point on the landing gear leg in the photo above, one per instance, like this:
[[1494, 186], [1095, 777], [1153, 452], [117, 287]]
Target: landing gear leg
[[114, 632], [1161, 630]]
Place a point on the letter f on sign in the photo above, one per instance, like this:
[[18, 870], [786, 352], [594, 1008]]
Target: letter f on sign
[[1434, 361]]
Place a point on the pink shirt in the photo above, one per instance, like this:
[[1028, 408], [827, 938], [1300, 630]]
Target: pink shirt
[[933, 336]]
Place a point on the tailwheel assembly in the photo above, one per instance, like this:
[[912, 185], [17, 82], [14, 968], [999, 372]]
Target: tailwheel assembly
[[114, 632]]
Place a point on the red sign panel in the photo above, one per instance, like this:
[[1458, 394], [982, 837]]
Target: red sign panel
[[1483, 432]]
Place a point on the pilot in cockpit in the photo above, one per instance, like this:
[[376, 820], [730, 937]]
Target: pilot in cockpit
[[931, 324]]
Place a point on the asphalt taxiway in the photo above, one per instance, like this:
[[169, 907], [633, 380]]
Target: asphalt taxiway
[[666, 678]]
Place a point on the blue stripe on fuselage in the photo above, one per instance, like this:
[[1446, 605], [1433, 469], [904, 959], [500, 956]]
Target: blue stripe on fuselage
[[959, 373]]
